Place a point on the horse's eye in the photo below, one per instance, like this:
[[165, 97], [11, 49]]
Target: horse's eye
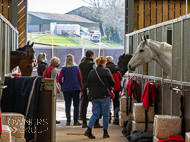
[[141, 50]]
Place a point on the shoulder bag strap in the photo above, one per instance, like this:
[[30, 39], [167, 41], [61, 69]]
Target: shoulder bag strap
[[99, 77]]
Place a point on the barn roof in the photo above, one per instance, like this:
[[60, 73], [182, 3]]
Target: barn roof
[[61, 17]]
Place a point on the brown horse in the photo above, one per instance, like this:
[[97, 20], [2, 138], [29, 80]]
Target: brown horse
[[123, 63], [24, 58], [24, 61]]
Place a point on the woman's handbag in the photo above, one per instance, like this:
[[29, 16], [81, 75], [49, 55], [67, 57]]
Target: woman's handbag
[[112, 95]]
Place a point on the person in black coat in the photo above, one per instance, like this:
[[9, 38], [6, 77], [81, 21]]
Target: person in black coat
[[42, 65], [99, 95]]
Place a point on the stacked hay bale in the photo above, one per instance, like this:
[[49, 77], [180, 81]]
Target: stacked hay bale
[[139, 117], [16, 123], [122, 113], [6, 136], [166, 126]]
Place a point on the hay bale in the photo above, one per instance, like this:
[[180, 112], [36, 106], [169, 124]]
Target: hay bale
[[155, 139], [123, 117], [141, 126], [6, 136], [165, 126], [187, 137], [16, 123], [123, 104], [139, 113]]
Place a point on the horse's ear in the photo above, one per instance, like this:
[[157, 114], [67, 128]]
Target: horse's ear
[[32, 44], [144, 38], [123, 55], [28, 43]]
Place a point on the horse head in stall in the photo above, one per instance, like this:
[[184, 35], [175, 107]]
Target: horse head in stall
[[149, 50], [24, 58], [123, 63]]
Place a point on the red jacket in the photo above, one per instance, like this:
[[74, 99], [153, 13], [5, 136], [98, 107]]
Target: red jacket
[[132, 88], [116, 75], [145, 95], [47, 72]]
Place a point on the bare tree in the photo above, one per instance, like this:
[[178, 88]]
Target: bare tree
[[98, 5]]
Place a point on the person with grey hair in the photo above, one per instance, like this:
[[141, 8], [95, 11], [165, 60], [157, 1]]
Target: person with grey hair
[[109, 58], [42, 65], [51, 72], [117, 78], [71, 86]]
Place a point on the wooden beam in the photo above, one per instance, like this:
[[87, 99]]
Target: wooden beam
[[147, 13], [165, 10], [188, 7], [171, 9], [20, 14], [177, 9], [153, 12], [21, 28], [10, 10], [159, 11], [19, 1], [21, 37], [22, 43], [183, 7], [5, 9], [141, 14], [21, 21], [23, 4], [135, 16], [1, 8]]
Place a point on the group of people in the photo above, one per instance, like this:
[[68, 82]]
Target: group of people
[[90, 80]]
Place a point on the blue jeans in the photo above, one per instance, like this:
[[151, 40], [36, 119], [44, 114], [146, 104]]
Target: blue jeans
[[67, 96], [99, 105]]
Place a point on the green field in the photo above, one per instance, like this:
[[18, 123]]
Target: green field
[[110, 43], [57, 40]]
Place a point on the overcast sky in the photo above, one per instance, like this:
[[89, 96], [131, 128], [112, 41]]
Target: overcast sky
[[54, 6]]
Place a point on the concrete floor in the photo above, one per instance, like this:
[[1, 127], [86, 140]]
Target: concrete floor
[[72, 133]]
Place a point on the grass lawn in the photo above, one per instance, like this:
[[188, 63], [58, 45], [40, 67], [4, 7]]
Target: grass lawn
[[57, 40], [111, 44]]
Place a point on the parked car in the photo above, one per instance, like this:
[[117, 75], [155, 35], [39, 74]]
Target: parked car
[[83, 32], [94, 32], [95, 38]]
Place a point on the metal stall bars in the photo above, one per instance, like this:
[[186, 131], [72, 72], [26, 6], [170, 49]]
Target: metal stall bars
[[180, 59], [8, 42]]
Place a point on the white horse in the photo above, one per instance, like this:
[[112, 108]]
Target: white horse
[[149, 50]]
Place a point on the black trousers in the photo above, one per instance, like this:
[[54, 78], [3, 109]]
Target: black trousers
[[84, 105], [116, 100]]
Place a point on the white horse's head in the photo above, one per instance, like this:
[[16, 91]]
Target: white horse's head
[[142, 55]]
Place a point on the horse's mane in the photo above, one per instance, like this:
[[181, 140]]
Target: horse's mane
[[22, 48], [18, 53], [167, 46]]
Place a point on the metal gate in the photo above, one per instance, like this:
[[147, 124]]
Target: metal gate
[[8, 42], [175, 32]]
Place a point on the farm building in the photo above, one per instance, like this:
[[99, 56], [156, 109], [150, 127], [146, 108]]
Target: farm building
[[39, 21]]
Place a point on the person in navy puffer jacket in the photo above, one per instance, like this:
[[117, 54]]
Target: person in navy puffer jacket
[[71, 87]]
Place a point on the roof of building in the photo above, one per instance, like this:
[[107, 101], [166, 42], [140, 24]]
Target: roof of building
[[60, 17]]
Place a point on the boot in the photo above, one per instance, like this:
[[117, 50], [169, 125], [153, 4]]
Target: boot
[[88, 133], [106, 134]]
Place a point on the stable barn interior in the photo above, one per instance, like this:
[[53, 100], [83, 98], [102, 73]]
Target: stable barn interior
[[170, 89]]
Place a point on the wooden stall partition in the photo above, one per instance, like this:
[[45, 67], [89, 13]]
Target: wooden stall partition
[[177, 9], [147, 13], [165, 11], [153, 13], [46, 115], [141, 14], [171, 9], [135, 15]]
